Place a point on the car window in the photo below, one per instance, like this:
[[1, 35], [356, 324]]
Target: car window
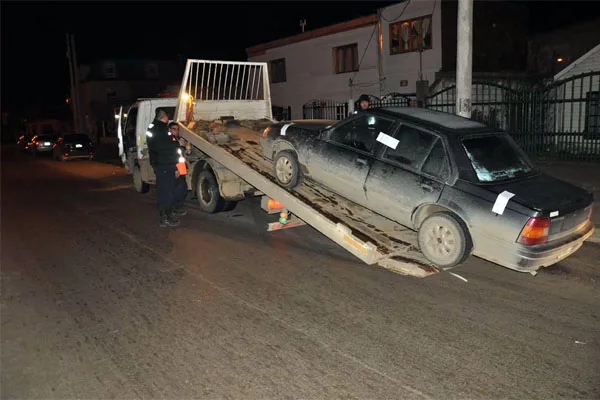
[[496, 158], [412, 148], [437, 164], [361, 132], [76, 138], [131, 122]]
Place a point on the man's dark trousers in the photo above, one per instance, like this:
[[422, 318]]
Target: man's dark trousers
[[165, 187], [181, 191]]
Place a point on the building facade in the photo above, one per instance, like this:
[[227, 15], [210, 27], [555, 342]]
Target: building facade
[[106, 84], [403, 50]]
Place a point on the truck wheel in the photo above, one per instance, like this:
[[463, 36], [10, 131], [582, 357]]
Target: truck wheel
[[207, 190], [139, 185], [444, 240], [286, 169]]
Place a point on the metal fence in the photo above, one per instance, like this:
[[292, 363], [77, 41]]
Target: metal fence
[[560, 120], [325, 109]]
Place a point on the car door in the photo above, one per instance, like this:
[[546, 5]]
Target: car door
[[408, 174], [342, 159]]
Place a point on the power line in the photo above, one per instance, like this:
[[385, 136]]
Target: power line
[[364, 53], [399, 16]]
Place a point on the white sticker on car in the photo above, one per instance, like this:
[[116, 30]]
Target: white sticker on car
[[554, 214], [388, 140], [284, 129], [501, 202]]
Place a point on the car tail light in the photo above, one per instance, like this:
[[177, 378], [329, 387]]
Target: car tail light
[[535, 231]]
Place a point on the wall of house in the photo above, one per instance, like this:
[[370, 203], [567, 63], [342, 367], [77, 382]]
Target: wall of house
[[572, 116], [406, 66], [310, 72]]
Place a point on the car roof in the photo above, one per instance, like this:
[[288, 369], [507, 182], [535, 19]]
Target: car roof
[[440, 121]]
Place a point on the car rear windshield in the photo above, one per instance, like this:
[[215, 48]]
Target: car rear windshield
[[496, 158], [47, 137], [76, 138]]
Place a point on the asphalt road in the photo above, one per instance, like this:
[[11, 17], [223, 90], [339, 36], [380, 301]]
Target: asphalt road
[[99, 302]]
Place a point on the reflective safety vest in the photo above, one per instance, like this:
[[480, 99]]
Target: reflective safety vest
[[181, 167]]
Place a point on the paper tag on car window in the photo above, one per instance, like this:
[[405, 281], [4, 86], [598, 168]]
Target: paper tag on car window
[[501, 202], [284, 129], [388, 140]]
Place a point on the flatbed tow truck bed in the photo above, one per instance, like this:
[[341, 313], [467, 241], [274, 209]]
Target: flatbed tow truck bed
[[369, 236]]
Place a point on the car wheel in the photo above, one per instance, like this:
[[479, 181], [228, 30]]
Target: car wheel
[[444, 240], [207, 191], [286, 169], [139, 185]]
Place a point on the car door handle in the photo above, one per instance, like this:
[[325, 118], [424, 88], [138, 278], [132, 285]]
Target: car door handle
[[426, 187], [361, 161]]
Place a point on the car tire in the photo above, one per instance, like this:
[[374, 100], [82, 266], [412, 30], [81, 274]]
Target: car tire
[[207, 192], [138, 184], [286, 169], [444, 240]]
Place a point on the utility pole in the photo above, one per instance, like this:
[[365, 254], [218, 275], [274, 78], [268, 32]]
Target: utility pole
[[73, 89], [76, 79], [464, 58]]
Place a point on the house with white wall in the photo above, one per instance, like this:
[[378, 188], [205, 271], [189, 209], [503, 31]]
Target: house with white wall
[[573, 105], [382, 53], [320, 64], [387, 53]]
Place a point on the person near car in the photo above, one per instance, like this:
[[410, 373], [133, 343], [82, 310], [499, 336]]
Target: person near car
[[162, 149], [363, 103], [181, 187]]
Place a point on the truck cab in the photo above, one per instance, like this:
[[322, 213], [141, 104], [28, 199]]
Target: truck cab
[[132, 125]]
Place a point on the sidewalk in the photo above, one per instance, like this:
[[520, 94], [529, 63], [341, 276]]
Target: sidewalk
[[585, 175]]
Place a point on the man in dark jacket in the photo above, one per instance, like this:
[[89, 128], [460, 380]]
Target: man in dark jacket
[[162, 148], [362, 103]]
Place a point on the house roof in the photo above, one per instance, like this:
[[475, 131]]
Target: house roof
[[577, 62], [324, 31]]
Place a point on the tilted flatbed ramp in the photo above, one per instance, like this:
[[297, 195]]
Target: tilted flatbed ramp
[[369, 236]]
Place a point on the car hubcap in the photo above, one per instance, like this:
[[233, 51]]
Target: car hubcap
[[441, 242], [284, 170]]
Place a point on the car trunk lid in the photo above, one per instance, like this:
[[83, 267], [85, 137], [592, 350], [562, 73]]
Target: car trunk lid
[[568, 206]]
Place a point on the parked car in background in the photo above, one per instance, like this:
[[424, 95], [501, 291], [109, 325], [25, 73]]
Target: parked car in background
[[24, 142], [73, 146], [43, 144], [464, 187]]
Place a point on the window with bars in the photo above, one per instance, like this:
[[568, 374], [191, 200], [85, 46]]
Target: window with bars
[[410, 35], [277, 70], [345, 58], [592, 114]]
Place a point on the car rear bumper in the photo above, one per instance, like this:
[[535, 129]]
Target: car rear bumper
[[530, 259]]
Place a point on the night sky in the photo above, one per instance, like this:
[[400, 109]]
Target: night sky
[[34, 66]]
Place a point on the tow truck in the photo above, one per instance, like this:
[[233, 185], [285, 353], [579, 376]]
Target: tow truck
[[222, 108]]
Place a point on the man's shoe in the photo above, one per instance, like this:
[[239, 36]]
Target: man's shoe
[[180, 212], [166, 221]]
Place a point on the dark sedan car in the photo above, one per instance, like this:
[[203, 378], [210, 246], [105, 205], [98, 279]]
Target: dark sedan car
[[73, 146], [42, 144], [466, 188]]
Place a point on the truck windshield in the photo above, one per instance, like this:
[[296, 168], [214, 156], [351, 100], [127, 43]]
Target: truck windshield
[[496, 158]]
